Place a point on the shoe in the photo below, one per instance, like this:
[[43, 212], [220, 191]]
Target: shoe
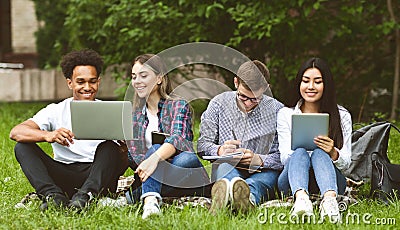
[[56, 200], [302, 206], [240, 192], [219, 195], [151, 208], [109, 202], [79, 200], [330, 207]]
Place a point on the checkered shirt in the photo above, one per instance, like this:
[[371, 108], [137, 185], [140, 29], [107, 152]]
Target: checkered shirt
[[223, 121], [174, 118]]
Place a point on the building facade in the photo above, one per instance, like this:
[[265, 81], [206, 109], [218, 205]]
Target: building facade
[[18, 25]]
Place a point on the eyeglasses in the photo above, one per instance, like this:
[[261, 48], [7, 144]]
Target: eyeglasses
[[244, 98]]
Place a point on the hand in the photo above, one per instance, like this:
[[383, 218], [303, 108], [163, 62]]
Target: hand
[[61, 136], [249, 158], [122, 146], [327, 144], [147, 167], [229, 146]]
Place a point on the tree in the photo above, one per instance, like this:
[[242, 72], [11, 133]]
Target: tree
[[355, 37], [397, 63]]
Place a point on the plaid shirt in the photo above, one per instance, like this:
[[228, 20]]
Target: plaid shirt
[[174, 118], [224, 121]]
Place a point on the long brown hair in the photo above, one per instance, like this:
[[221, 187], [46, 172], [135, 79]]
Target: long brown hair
[[156, 64]]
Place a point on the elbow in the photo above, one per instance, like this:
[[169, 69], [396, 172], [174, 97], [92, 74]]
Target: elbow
[[14, 136]]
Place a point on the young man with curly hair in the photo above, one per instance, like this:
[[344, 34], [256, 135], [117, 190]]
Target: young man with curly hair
[[80, 169]]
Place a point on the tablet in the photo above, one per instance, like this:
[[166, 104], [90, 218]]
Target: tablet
[[102, 120], [306, 126]]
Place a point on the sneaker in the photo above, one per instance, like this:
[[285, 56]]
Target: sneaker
[[109, 202], [79, 200], [57, 200], [302, 206], [240, 192], [219, 195], [151, 208], [330, 207]]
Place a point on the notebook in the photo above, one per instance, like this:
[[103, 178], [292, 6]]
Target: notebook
[[223, 157], [306, 126], [102, 120]]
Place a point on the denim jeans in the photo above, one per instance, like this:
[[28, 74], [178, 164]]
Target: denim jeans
[[181, 175], [315, 174], [261, 183]]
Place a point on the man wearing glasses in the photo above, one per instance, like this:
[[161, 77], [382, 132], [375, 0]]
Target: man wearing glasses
[[242, 123]]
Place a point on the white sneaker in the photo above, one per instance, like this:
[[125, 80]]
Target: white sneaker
[[330, 207], [240, 192], [220, 195], [108, 202], [302, 206], [151, 208]]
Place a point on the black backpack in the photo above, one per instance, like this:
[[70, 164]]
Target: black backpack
[[370, 163]]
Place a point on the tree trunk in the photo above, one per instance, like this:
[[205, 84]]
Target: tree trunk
[[395, 98]]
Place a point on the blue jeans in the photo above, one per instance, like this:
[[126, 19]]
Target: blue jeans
[[261, 183], [180, 175], [315, 174]]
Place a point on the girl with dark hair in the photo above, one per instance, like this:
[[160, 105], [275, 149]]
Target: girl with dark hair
[[319, 170], [169, 168]]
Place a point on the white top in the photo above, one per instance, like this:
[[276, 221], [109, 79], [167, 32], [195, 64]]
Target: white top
[[284, 127], [56, 116], [153, 126]]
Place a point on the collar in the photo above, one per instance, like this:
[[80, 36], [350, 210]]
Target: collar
[[160, 105], [298, 105]]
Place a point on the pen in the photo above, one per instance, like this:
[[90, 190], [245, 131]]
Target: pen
[[234, 135]]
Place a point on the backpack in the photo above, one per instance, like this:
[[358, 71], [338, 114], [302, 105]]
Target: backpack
[[370, 163]]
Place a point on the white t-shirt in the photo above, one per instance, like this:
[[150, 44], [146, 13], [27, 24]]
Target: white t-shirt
[[153, 126], [56, 116]]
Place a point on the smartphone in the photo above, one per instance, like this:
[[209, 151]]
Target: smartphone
[[158, 137]]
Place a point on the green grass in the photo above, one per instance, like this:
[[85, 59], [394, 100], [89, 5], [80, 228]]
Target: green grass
[[14, 186]]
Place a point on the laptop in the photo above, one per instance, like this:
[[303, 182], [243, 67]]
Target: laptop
[[306, 126], [102, 120]]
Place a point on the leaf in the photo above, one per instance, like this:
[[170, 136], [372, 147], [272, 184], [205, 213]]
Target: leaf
[[210, 8], [316, 5]]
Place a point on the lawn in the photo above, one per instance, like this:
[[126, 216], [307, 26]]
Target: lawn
[[14, 186]]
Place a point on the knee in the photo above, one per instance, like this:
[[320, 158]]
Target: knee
[[20, 149], [187, 160], [299, 154], [319, 154], [111, 151], [223, 169], [107, 147]]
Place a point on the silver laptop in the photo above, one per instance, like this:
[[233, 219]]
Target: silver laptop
[[102, 120], [306, 126]]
